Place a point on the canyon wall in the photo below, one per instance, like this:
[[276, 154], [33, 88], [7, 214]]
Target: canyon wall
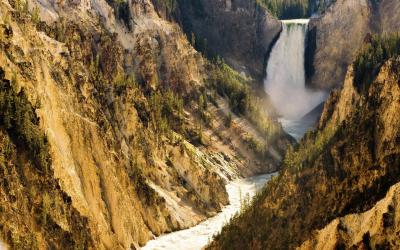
[[134, 140], [338, 33], [242, 32], [335, 179]]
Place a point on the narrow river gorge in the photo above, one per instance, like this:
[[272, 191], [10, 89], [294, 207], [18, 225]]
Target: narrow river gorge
[[196, 237], [285, 84], [199, 125]]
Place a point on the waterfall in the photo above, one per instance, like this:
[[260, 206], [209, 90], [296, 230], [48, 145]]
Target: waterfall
[[285, 81]]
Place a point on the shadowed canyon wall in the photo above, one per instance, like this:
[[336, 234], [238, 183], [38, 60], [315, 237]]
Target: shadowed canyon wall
[[338, 33], [239, 31]]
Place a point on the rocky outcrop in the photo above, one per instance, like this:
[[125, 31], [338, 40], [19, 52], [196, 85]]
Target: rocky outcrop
[[344, 167], [376, 228], [117, 101], [339, 33], [89, 127], [242, 32], [45, 216]]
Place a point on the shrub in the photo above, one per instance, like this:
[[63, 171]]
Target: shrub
[[310, 147], [168, 5], [124, 13], [259, 148], [35, 16], [166, 112], [18, 117], [122, 81]]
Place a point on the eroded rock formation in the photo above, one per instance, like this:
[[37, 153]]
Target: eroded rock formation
[[344, 167], [116, 95]]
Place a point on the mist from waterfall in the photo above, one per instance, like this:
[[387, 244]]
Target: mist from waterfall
[[285, 81]]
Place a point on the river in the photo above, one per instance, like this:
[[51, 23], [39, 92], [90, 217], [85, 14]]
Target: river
[[285, 84], [197, 237]]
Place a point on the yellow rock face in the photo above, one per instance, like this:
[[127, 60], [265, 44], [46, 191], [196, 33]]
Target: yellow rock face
[[126, 180]]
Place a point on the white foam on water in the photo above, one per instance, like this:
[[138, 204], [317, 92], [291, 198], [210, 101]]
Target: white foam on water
[[197, 237], [285, 81]]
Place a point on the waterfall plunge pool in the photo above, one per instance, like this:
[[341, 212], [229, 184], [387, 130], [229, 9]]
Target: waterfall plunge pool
[[285, 79]]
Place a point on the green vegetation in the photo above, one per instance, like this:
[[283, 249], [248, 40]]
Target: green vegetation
[[322, 5], [372, 56], [258, 147], [203, 107], [146, 193], [334, 171], [230, 84], [121, 81], [310, 148], [18, 117], [166, 111], [21, 6], [25, 167], [287, 9], [35, 16]]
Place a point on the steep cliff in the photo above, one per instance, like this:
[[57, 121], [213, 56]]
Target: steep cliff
[[389, 16], [125, 108], [346, 166], [336, 36], [377, 228], [241, 32], [34, 211]]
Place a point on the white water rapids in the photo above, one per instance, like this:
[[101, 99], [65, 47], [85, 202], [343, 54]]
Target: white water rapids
[[285, 81], [197, 237]]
